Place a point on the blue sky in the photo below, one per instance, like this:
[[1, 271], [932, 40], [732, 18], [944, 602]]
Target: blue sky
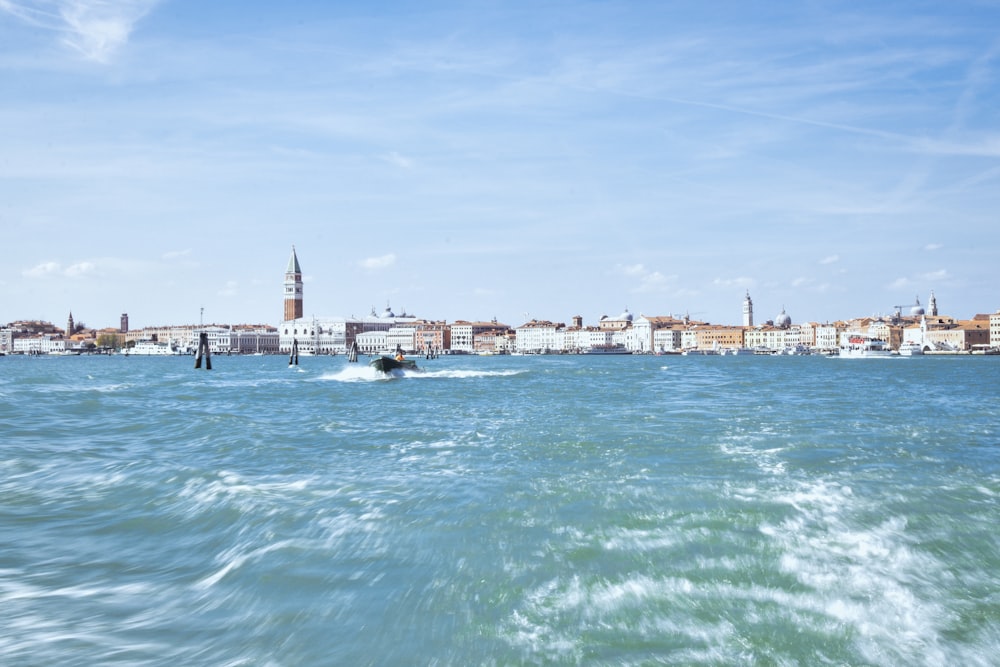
[[471, 160]]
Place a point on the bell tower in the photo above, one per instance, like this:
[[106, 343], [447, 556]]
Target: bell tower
[[293, 288], [747, 311]]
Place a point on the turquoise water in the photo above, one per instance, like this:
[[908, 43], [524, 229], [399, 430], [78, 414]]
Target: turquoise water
[[500, 511]]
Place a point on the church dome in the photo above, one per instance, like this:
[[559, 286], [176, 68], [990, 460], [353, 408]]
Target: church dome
[[917, 310], [783, 320], [625, 317]]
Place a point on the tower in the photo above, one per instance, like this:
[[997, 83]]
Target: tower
[[69, 325], [123, 325], [747, 311], [293, 288], [932, 306]]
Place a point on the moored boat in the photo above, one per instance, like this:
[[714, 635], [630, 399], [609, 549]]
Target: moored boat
[[862, 346], [151, 348], [910, 349]]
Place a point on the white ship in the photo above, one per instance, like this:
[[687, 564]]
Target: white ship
[[150, 348], [861, 346]]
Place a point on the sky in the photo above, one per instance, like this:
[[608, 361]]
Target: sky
[[505, 159]]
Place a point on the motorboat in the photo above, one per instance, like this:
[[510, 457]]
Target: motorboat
[[386, 364]]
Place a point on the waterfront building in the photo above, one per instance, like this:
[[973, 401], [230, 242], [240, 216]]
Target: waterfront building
[[492, 341], [401, 338], [667, 339], [431, 337], [40, 344], [539, 337], [470, 337], [826, 337], [315, 335], [6, 340], [652, 333], [714, 337], [995, 330], [619, 323], [765, 337]]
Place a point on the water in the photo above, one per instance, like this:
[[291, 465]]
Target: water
[[500, 511]]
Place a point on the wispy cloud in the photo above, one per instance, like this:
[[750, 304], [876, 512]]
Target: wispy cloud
[[932, 246], [646, 280], [96, 29], [741, 281], [176, 254], [47, 269], [376, 263], [398, 160], [940, 274], [831, 259], [231, 288]]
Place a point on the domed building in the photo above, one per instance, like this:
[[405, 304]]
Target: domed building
[[784, 320], [623, 321]]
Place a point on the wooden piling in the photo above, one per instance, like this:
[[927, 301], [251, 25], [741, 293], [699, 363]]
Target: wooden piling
[[203, 350]]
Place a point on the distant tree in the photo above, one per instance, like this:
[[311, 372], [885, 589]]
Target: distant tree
[[108, 340]]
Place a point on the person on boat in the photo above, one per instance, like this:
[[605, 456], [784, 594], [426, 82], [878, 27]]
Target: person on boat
[[399, 355]]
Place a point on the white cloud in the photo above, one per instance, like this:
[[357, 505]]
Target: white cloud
[[43, 269], [176, 254], [830, 260], [80, 269], [97, 29], [376, 263], [933, 246]]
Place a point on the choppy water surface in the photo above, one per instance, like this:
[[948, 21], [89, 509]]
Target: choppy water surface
[[500, 511]]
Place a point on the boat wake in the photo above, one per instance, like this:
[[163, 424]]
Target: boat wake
[[367, 374], [458, 373], [355, 373]]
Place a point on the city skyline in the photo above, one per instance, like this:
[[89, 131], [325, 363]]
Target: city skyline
[[472, 161]]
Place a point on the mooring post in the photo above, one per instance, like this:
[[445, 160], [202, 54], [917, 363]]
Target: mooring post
[[293, 358], [203, 349]]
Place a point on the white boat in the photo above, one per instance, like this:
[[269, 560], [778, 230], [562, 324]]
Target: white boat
[[151, 348], [863, 346], [910, 349]]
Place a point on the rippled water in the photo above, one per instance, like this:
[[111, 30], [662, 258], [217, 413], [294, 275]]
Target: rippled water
[[500, 511]]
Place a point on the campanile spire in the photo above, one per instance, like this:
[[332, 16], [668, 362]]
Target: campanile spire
[[293, 288]]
